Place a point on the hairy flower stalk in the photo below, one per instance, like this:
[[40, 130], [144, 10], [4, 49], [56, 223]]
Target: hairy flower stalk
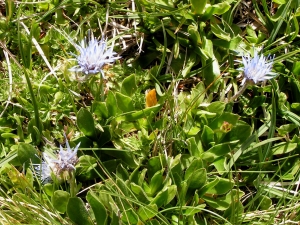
[[94, 54], [63, 166], [256, 69]]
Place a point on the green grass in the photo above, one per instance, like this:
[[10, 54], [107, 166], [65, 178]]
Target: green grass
[[194, 157]]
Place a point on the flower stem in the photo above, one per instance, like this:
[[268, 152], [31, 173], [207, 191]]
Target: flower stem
[[72, 184], [238, 94], [102, 89]]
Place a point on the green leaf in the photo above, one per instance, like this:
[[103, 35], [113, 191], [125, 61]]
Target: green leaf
[[6, 129], [212, 70], [165, 196], [222, 187], [156, 182], [234, 212], [128, 86], [126, 156], [218, 150], [220, 203], [77, 212], [122, 173], [27, 154], [9, 135], [49, 189], [285, 129], [264, 202], [198, 6], [12, 156], [111, 104], [296, 68], [283, 148], [87, 167], [176, 169], [280, 2], [189, 64], [29, 177], [60, 18], [60, 200], [223, 202], [216, 29], [197, 179], [10, 7], [194, 35], [115, 219], [85, 122], [257, 101], [124, 102], [207, 136], [208, 186], [198, 94], [139, 193], [25, 47], [98, 208], [295, 106], [193, 210], [100, 109], [216, 9], [232, 44], [241, 131], [216, 107], [34, 131], [194, 148], [147, 212], [133, 116], [195, 164], [227, 117], [130, 217], [172, 191], [182, 190], [219, 164]]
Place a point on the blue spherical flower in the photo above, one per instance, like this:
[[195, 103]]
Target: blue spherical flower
[[61, 166], [93, 56], [258, 68], [66, 160]]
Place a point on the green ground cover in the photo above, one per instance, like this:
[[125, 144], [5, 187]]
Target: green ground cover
[[149, 112]]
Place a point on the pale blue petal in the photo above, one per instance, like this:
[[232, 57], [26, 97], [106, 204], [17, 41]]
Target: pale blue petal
[[258, 68], [93, 56]]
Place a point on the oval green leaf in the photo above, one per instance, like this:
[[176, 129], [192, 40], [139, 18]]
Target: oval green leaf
[[77, 212], [85, 122]]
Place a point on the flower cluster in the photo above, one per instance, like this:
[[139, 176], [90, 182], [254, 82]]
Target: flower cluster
[[93, 56], [61, 166], [258, 68]]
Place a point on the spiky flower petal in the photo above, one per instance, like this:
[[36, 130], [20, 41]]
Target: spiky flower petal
[[93, 56], [258, 68], [61, 166], [43, 171]]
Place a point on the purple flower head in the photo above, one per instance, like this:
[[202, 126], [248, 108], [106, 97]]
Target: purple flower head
[[258, 68], [93, 56], [61, 166]]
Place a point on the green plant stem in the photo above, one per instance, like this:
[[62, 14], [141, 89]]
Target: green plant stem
[[100, 90], [238, 94], [72, 184], [34, 102]]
